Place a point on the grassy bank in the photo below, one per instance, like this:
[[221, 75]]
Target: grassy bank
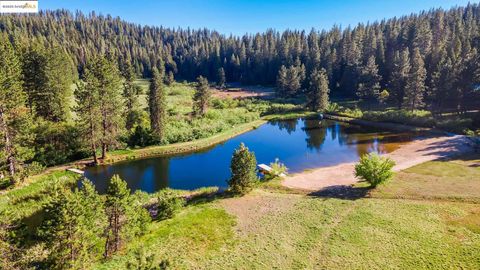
[[381, 124], [392, 229], [24, 201], [184, 147], [451, 122]]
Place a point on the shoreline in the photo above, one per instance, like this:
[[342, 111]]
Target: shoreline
[[411, 154], [165, 150]]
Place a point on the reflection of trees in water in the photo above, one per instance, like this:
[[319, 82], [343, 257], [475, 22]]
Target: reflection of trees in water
[[288, 125], [150, 174], [161, 173], [366, 139], [361, 139], [316, 132]]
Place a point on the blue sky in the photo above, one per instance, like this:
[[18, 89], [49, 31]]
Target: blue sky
[[242, 16]]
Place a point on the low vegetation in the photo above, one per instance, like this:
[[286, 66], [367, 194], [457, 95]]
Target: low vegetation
[[405, 229], [374, 169], [424, 72], [453, 122]]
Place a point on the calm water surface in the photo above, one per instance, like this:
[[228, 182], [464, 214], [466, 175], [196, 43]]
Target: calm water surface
[[300, 144]]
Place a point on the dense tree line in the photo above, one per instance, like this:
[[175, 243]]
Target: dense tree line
[[427, 59]]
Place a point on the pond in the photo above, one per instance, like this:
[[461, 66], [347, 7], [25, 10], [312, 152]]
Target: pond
[[300, 144]]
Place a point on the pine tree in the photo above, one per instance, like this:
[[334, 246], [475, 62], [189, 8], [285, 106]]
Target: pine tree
[[15, 118], [103, 78], [290, 80], [130, 94], [170, 78], [282, 81], [126, 218], [157, 104], [98, 99], [369, 81], [88, 111], [48, 75], [399, 77], [317, 97], [415, 88], [73, 227], [201, 97], [221, 78], [243, 168]]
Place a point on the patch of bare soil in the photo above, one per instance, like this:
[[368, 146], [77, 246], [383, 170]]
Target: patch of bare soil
[[411, 154], [250, 208], [245, 92]]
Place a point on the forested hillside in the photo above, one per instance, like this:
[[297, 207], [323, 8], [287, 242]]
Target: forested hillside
[[430, 58]]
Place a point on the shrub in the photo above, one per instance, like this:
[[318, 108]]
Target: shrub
[[416, 117], [244, 170], [383, 97], [168, 204], [333, 107], [374, 169], [455, 124], [278, 168], [34, 168], [142, 137], [144, 260], [354, 113], [226, 103], [57, 143]]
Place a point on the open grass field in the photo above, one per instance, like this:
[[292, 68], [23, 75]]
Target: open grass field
[[410, 223]]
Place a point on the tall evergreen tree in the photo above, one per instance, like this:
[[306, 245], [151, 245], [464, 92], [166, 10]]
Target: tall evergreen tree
[[130, 94], [201, 97], [73, 227], [98, 100], [126, 218], [15, 118], [221, 78], [106, 80], [282, 81], [415, 88], [157, 104], [399, 76], [369, 81], [317, 97], [48, 75], [88, 111], [290, 80]]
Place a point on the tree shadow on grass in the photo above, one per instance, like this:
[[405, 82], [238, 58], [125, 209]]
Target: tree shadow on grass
[[207, 197], [342, 192]]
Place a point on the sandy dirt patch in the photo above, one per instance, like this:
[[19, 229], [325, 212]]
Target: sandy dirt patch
[[411, 154], [245, 92], [251, 208]]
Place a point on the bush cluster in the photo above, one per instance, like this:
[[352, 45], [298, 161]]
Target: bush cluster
[[168, 204], [374, 169]]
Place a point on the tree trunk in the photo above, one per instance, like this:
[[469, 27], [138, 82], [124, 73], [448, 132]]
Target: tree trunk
[[8, 144], [104, 151], [104, 145], [94, 152], [94, 146]]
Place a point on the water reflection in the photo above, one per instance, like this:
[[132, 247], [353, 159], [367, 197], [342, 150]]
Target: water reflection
[[300, 144]]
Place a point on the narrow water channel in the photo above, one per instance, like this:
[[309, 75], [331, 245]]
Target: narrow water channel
[[300, 144]]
